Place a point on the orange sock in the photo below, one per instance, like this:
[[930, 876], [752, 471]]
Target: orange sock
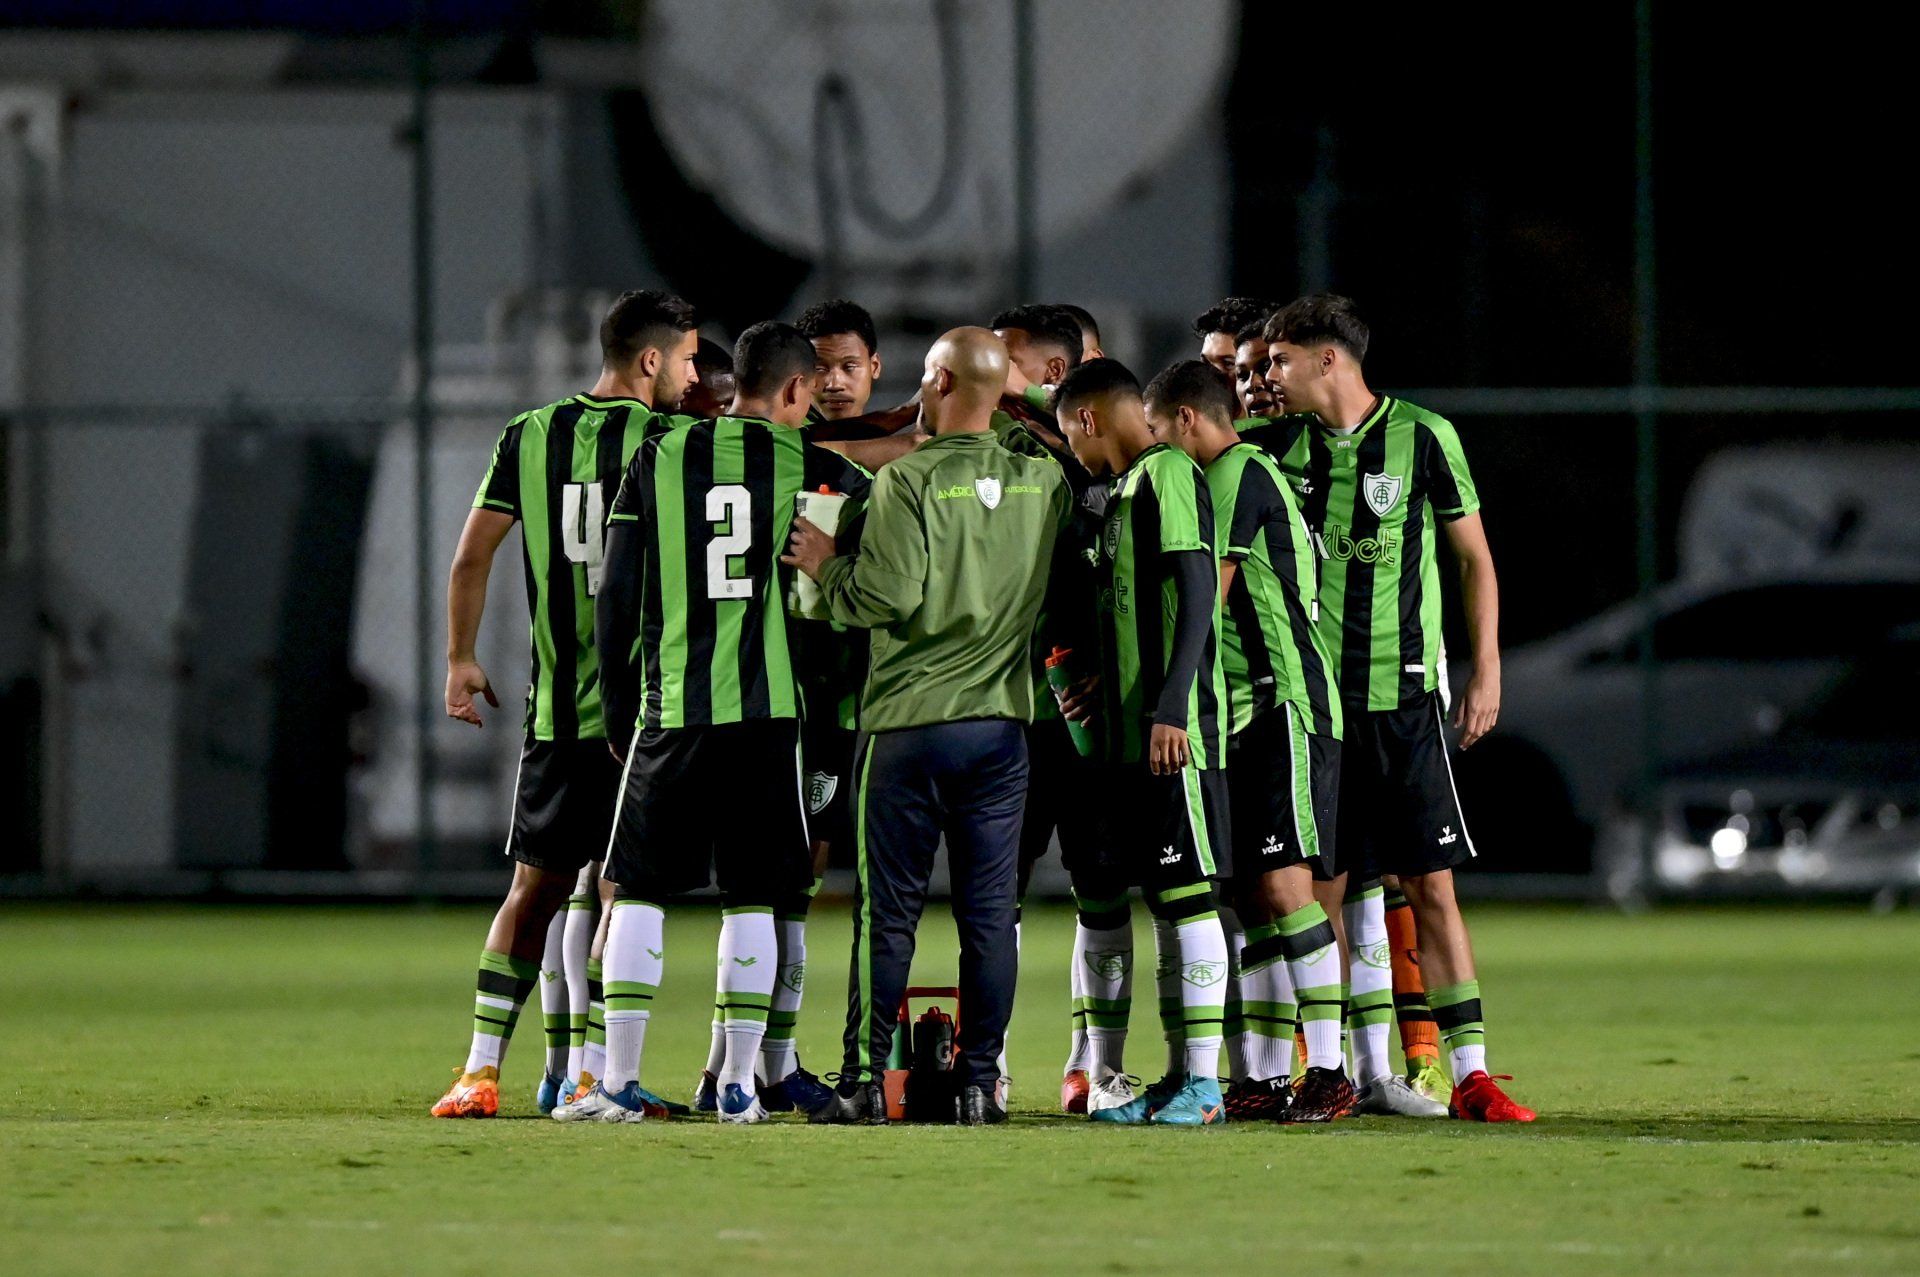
[[1419, 1036]]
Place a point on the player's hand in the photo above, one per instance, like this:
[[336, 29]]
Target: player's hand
[[807, 548], [464, 678], [1479, 706], [1168, 750], [1077, 702]]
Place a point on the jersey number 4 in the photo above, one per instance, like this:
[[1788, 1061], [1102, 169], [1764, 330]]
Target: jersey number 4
[[583, 528], [730, 511]]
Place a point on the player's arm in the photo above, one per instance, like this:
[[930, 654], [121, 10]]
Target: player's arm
[[1193, 579], [872, 454], [616, 608], [885, 582], [1479, 705], [466, 602]]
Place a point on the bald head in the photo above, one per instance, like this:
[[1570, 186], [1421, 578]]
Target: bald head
[[965, 373]]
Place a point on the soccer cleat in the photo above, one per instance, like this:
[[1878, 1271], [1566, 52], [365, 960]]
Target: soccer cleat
[[1196, 1103], [979, 1108], [1395, 1097], [1430, 1082], [706, 1096], [582, 1088], [854, 1104], [1321, 1095], [1114, 1090], [1142, 1106], [740, 1106], [471, 1095], [598, 1105], [1073, 1092], [1259, 1100], [552, 1092], [799, 1090], [1478, 1099], [659, 1106]]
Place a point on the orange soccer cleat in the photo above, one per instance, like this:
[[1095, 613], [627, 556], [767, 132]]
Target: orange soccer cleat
[[471, 1095], [1073, 1092], [1478, 1099]]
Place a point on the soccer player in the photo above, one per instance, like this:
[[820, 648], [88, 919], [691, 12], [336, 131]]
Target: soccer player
[[1161, 711], [1089, 331], [708, 397], [1043, 342], [1250, 371], [1219, 327], [554, 471], [1378, 474], [703, 705], [846, 351], [950, 574]]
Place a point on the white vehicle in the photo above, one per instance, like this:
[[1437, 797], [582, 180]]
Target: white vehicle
[[1737, 658]]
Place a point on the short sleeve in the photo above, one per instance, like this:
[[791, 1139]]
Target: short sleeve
[[631, 499], [1441, 470], [1186, 507], [1255, 503], [500, 488]]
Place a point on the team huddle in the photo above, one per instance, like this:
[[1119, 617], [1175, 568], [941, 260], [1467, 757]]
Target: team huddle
[[1189, 631]]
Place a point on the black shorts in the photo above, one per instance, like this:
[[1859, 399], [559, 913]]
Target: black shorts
[[563, 800], [1285, 787], [1062, 798], [1168, 831], [725, 801], [1399, 812], [826, 756]]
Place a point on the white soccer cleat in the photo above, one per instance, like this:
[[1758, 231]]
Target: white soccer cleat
[[1394, 1096], [598, 1106], [1112, 1091], [739, 1105]]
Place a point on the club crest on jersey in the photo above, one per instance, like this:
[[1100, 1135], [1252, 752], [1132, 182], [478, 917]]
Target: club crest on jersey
[[1382, 492], [820, 791], [988, 490]]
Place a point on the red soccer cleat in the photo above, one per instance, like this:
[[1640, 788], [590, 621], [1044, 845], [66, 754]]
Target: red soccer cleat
[[1478, 1099], [1073, 1092]]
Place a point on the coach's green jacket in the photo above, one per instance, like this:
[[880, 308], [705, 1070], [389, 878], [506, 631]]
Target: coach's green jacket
[[950, 575]]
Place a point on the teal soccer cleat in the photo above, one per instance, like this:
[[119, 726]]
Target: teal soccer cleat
[[1196, 1103]]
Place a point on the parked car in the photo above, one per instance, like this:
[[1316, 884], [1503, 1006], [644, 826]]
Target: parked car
[[1737, 660], [1831, 804]]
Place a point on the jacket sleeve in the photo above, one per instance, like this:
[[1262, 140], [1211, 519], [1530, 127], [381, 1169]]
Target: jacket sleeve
[[884, 583]]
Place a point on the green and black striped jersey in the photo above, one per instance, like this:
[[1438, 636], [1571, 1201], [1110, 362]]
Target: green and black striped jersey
[[1371, 496], [1159, 508], [1271, 645], [556, 469], [714, 504]]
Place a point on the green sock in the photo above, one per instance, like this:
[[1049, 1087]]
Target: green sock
[[502, 987]]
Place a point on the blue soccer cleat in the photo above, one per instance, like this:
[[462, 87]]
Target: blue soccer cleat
[[706, 1096], [799, 1090], [739, 1105], [1196, 1103], [552, 1092]]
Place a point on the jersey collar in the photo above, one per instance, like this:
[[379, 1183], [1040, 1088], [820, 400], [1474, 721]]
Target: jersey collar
[[597, 401], [1373, 418]]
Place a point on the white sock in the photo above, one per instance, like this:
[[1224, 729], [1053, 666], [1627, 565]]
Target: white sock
[[1370, 999], [1235, 1022], [576, 945], [778, 1058], [1166, 986], [636, 944], [1079, 1053], [1104, 971], [717, 1041], [1271, 1019], [553, 994], [1467, 1060], [1316, 987], [1202, 948], [749, 953]]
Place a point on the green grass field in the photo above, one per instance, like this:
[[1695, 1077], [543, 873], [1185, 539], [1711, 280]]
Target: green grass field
[[245, 1091]]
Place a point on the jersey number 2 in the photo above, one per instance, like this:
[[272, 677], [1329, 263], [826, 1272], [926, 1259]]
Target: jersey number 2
[[729, 506], [583, 522]]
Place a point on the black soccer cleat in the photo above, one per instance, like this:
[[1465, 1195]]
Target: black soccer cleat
[[1321, 1095], [1259, 1100], [980, 1107], [854, 1104]]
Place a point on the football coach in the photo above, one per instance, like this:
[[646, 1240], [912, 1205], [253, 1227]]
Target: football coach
[[950, 576]]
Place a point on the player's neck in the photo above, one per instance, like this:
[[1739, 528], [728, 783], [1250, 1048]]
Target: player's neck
[[968, 421], [1353, 402], [764, 409], [613, 385], [1209, 443]]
